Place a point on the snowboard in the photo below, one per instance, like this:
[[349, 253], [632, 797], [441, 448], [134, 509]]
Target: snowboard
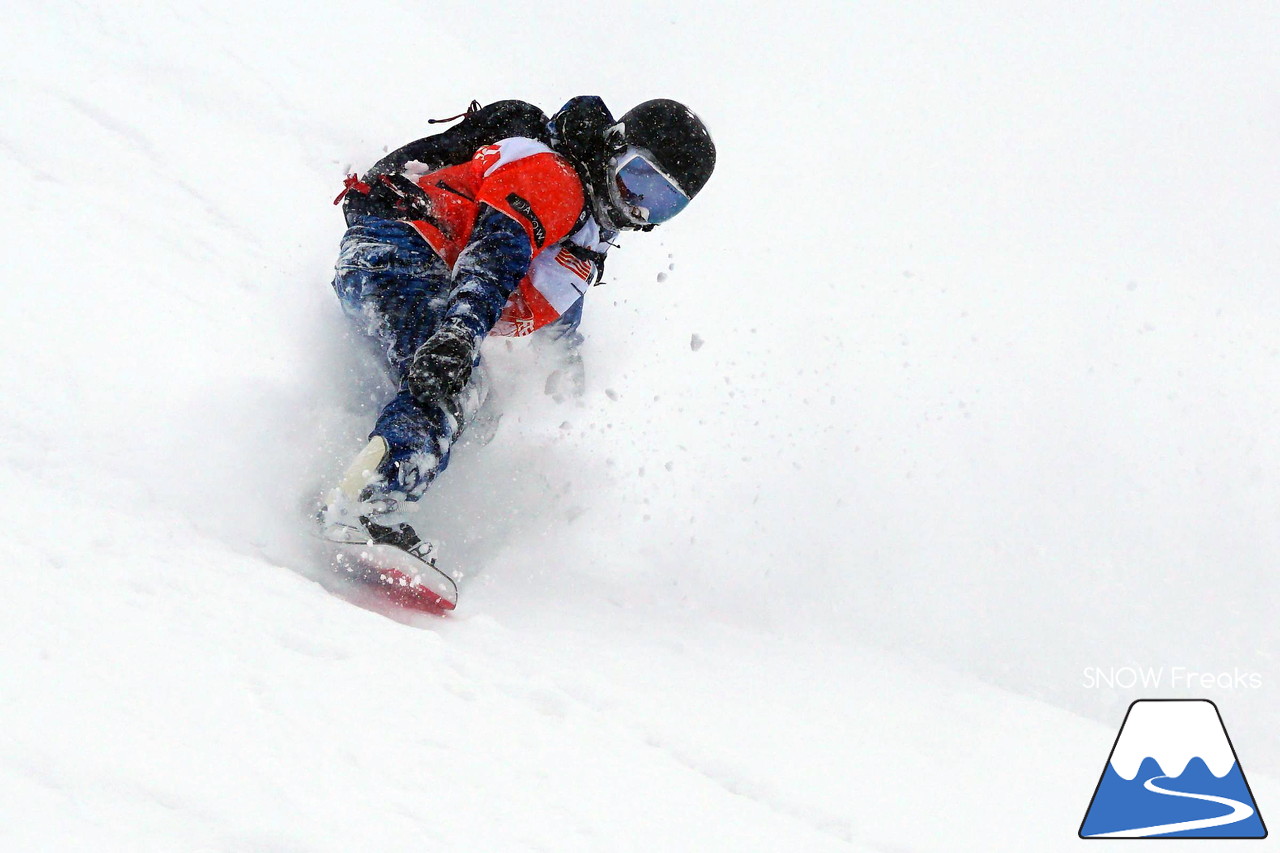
[[406, 576]]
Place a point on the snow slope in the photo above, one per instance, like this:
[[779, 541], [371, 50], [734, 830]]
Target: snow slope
[[986, 395]]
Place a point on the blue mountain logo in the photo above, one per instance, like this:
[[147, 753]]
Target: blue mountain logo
[[1173, 773]]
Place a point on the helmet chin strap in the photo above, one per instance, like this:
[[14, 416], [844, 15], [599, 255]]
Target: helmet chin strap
[[604, 214], [600, 209]]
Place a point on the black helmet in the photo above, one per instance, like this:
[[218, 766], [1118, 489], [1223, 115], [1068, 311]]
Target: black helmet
[[660, 156], [641, 169], [676, 137]]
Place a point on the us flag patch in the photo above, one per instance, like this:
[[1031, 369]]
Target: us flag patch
[[579, 267]]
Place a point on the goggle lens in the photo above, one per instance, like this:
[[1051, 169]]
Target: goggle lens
[[650, 196]]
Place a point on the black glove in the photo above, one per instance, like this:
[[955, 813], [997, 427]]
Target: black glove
[[441, 367], [403, 196]]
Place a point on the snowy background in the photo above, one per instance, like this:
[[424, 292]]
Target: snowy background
[[987, 394]]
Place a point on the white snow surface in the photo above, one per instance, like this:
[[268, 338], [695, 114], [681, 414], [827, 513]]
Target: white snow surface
[[962, 375]]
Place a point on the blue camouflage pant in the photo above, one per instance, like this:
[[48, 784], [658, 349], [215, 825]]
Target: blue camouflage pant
[[396, 288]]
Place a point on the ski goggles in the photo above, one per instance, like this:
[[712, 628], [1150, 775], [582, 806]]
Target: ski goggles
[[644, 192]]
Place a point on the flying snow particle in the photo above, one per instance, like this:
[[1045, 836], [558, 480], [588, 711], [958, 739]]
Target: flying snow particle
[[696, 342]]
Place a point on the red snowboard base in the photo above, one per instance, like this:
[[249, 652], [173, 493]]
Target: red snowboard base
[[397, 577]]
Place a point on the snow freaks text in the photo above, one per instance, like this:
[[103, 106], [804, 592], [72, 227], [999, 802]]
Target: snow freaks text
[[1171, 677]]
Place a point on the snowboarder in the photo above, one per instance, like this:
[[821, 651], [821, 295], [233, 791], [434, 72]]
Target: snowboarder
[[496, 226]]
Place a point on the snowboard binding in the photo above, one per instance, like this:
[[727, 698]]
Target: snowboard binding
[[374, 547]]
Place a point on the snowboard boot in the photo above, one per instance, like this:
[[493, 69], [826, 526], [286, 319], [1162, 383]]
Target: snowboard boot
[[375, 543]]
